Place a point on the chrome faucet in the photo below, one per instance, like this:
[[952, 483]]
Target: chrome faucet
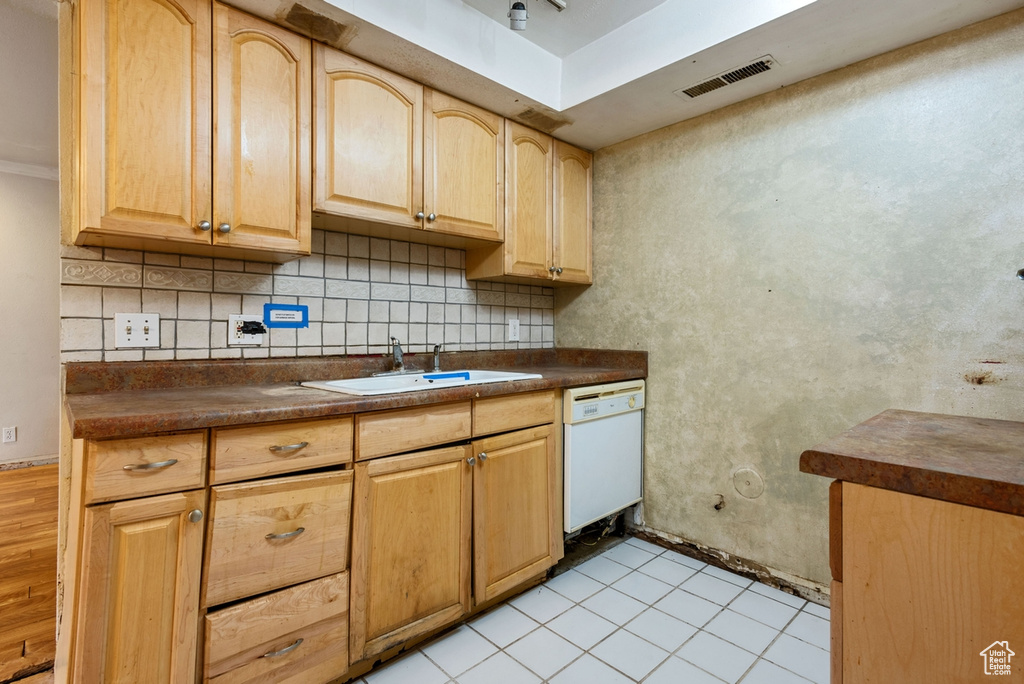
[[396, 354], [437, 357]]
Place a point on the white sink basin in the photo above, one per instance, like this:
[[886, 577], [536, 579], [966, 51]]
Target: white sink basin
[[414, 382]]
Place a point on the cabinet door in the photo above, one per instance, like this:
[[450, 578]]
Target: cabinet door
[[463, 183], [528, 215], [516, 532], [142, 124], [410, 547], [572, 219], [137, 617], [262, 99], [368, 126]]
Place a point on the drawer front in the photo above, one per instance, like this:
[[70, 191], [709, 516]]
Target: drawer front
[[394, 432], [272, 533], [500, 414], [128, 468], [258, 451], [259, 640]]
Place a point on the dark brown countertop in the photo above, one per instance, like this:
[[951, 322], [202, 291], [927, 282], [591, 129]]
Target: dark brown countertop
[[137, 398], [973, 461]]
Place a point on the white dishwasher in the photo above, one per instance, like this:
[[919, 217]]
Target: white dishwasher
[[602, 450]]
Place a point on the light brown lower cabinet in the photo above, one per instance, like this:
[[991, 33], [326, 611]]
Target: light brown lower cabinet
[[138, 602], [928, 587], [432, 524], [515, 501], [450, 506], [410, 547]]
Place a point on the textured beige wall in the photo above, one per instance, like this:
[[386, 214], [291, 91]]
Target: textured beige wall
[[802, 261]]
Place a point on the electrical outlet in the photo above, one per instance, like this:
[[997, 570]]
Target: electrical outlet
[[10, 434], [235, 334], [136, 330], [513, 330]]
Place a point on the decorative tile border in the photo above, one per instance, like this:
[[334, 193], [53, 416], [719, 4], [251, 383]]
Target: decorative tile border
[[178, 279], [243, 283], [74, 272]]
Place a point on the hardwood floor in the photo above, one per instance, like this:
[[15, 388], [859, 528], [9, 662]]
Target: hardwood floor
[[28, 570]]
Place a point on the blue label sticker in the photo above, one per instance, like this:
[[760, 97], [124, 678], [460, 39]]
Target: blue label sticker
[[286, 315], [461, 375]]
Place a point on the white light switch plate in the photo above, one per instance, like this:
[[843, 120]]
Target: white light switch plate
[[513, 330], [136, 330]]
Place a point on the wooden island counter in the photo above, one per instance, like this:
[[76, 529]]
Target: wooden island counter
[[926, 548]]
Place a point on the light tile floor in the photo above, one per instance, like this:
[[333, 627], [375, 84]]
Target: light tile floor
[[635, 613]]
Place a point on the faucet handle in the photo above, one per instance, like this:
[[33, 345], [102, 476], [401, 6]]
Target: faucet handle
[[437, 357]]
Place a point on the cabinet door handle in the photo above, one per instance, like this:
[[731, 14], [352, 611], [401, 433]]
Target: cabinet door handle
[[290, 447], [431, 216], [420, 215], [551, 269], [558, 270], [204, 226], [471, 461], [284, 651], [224, 227], [151, 466], [195, 516], [482, 456], [286, 535]]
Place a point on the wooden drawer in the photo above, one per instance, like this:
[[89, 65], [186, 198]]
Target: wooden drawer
[[240, 639], [258, 451], [500, 414], [394, 432], [130, 468], [254, 544]]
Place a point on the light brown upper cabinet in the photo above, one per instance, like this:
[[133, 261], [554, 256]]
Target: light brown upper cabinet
[[185, 128], [547, 214], [391, 153]]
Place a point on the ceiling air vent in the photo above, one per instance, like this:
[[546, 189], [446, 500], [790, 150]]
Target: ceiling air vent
[[721, 80]]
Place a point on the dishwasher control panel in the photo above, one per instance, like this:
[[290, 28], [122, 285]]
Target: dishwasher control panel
[[589, 403]]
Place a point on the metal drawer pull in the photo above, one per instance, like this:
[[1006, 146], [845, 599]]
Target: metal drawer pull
[[195, 516], [284, 651], [290, 447], [471, 461], [482, 456], [151, 466], [287, 535]]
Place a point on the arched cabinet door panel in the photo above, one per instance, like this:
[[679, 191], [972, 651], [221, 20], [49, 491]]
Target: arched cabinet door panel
[[262, 99], [528, 208], [463, 181], [572, 248], [368, 127], [141, 122]]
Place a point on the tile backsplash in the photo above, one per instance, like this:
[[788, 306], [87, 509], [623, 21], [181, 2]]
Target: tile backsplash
[[360, 291]]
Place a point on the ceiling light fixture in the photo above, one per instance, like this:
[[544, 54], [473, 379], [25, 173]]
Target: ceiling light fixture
[[517, 16]]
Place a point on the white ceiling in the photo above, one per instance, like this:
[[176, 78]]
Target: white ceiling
[[600, 72], [603, 71], [563, 33]]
